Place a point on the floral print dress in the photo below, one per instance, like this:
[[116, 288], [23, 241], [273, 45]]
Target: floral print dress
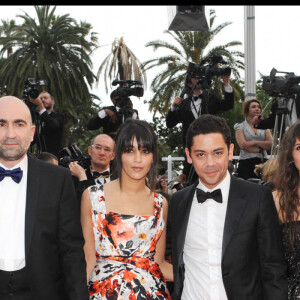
[[125, 248]]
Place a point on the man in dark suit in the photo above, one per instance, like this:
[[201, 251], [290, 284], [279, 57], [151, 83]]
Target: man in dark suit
[[102, 153], [185, 111], [111, 117], [41, 253], [226, 240], [50, 124]]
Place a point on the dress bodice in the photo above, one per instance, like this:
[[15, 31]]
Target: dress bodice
[[125, 248]]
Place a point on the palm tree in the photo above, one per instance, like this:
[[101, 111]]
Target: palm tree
[[6, 29], [122, 64], [53, 48], [192, 46]]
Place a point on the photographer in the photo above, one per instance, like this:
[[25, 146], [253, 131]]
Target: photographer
[[186, 110], [111, 117], [102, 153], [49, 135]]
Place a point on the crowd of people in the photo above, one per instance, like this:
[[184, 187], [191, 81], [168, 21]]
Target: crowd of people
[[117, 230]]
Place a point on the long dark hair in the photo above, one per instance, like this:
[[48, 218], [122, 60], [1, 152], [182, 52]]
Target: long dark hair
[[145, 137], [287, 180]]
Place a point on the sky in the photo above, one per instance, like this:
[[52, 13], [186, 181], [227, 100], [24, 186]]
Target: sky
[[277, 42]]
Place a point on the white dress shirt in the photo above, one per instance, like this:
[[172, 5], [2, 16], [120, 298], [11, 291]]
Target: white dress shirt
[[12, 220], [101, 180], [202, 251]]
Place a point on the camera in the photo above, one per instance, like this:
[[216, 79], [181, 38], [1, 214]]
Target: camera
[[175, 184], [286, 85], [206, 69], [30, 89], [126, 89], [73, 153]]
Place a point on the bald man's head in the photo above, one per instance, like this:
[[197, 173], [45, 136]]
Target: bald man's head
[[16, 130]]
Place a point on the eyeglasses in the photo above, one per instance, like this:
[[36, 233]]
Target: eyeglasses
[[99, 148], [164, 180]]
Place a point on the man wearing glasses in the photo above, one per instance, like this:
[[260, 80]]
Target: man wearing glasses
[[102, 152]]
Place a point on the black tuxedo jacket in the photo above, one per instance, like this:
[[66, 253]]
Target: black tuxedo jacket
[[106, 123], [54, 256], [52, 132], [183, 114], [253, 266]]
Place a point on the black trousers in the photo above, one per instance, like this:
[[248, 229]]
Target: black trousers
[[14, 285]]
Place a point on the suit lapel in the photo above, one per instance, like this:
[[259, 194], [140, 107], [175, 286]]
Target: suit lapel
[[183, 210], [31, 201], [235, 208]]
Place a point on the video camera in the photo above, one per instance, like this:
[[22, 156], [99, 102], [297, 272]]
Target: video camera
[[73, 153], [281, 85], [206, 69], [125, 90], [30, 90]]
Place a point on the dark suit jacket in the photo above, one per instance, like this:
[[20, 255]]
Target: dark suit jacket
[[183, 114], [54, 255], [253, 266], [50, 138], [109, 127]]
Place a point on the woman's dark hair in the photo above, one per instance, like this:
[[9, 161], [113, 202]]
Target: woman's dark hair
[[287, 179], [145, 137], [246, 106], [206, 124]]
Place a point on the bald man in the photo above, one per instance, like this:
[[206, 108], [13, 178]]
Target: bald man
[[41, 253], [102, 153]]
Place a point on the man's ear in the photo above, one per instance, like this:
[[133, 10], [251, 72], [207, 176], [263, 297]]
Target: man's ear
[[188, 157], [89, 150]]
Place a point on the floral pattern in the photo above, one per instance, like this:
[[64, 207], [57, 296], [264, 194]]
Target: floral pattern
[[125, 247]]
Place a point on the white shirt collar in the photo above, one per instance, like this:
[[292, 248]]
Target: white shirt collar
[[23, 164], [224, 185]]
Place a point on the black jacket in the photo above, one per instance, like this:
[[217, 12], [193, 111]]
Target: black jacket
[[109, 127], [252, 262], [50, 138]]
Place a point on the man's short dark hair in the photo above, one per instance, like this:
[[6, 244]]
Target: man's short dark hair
[[206, 124], [113, 94], [46, 156]]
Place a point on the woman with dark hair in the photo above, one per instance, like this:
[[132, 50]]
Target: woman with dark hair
[[123, 223], [253, 142], [286, 196]]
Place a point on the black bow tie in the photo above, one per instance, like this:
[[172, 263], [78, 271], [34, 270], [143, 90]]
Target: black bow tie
[[15, 174], [103, 174], [195, 98], [203, 196]]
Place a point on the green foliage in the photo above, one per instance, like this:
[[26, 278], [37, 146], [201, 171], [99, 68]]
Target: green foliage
[[190, 46], [56, 49]]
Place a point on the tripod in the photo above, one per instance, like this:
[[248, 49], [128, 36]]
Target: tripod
[[283, 113], [282, 116]]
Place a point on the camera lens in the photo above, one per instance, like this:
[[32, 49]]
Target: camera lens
[[33, 93]]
